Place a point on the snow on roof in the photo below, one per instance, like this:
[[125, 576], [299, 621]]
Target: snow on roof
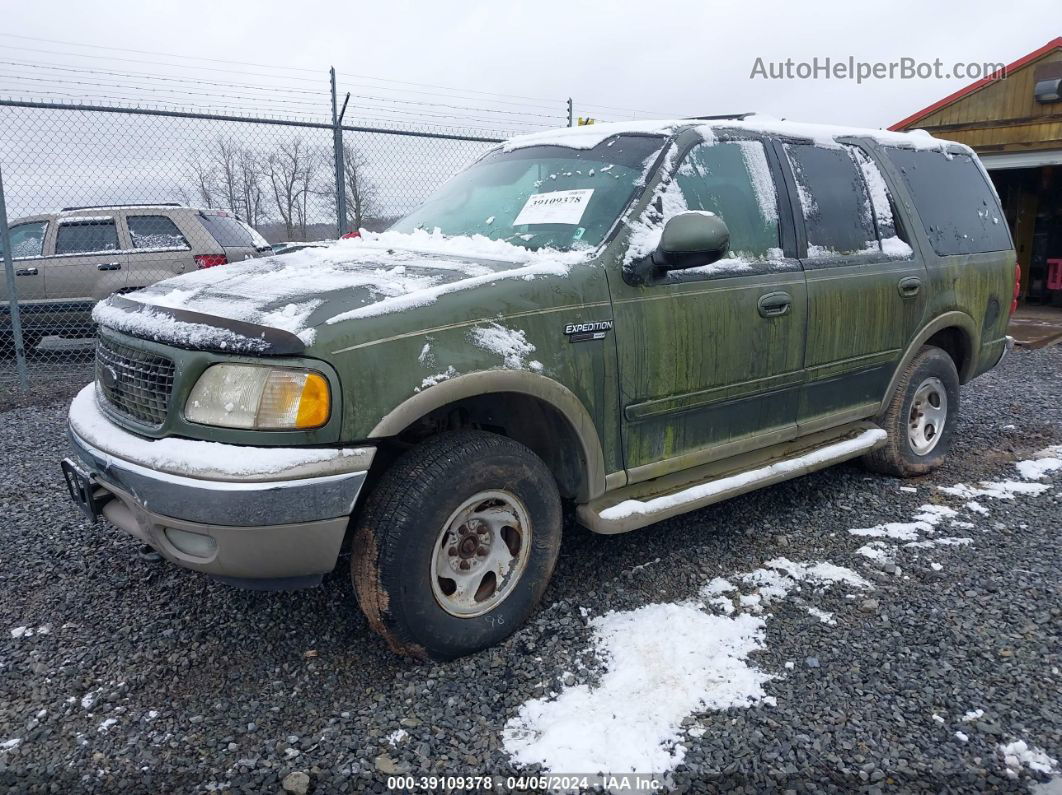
[[823, 134]]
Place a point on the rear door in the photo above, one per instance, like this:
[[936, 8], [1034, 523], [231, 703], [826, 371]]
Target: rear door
[[866, 286], [238, 240], [711, 358], [158, 249]]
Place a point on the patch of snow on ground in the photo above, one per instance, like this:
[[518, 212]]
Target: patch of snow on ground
[[1041, 464], [822, 615], [395, 737], [927, 518], [105, 726], [663, 662], [1018, 754], [997, 490], [976, 507], [510, 344], [878, 551], [973, 715], [939, 542], [8, 745]]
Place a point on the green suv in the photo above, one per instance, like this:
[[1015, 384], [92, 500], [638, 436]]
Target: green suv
[[636, 320]]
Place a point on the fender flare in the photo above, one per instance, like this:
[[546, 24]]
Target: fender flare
[[486, 382], [954, 319]]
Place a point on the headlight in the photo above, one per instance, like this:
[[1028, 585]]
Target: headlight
[[263, 398]]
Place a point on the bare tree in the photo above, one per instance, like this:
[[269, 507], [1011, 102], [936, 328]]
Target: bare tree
[[361, 192], [202, 178], [287, 169], [226, 156], [251, 173]]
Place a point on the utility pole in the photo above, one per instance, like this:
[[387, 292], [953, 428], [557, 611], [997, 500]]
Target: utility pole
[[569, 111], [12, 297], [337, 145]]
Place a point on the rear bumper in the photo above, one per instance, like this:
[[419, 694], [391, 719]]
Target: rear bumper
[[247, 529]]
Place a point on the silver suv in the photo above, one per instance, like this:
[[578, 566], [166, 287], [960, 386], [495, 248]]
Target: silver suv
[[65, 262]]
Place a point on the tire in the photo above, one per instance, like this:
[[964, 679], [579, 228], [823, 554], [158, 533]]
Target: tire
[[920, 419], [436, 509]]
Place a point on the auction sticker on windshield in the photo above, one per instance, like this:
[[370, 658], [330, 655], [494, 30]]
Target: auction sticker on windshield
[[555, 207]]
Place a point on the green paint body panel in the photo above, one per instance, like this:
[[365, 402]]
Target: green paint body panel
[[690, 371]]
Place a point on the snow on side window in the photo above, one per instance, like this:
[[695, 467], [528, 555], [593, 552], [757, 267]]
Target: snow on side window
[[733, 180], [836, 203], [892, 243], [155, 232], [27, 240]]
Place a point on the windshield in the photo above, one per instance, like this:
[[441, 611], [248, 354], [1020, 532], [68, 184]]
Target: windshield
[[541, 196]]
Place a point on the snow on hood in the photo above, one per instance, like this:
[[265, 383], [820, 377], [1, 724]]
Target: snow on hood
[[374, 275]]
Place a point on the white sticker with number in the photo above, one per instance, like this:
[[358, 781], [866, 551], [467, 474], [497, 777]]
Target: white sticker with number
[[555, 207]]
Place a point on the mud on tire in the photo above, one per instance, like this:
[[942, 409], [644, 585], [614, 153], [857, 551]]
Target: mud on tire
[[920, 419], [480, 509]]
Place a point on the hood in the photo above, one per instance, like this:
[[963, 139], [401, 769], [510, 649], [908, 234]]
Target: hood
[[299, 292]]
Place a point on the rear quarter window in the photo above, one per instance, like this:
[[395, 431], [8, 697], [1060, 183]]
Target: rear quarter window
[[958, 208], [230, 231]]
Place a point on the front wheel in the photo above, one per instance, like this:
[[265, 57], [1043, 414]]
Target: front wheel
[[920, 419], [456, 544]]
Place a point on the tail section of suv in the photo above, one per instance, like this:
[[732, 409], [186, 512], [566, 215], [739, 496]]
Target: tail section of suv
[[638, 320], [66, 262]]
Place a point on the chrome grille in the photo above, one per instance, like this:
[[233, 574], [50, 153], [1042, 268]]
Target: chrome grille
[[135, 383]]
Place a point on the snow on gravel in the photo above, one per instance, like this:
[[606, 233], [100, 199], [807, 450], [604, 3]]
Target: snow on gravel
[[664, 662], [1018, 754]]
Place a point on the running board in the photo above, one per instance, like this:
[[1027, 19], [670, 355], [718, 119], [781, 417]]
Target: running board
[[640, 505]]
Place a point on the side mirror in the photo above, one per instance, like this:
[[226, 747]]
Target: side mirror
[[690, 240]]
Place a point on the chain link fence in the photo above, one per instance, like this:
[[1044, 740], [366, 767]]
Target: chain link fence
[[101, 200]]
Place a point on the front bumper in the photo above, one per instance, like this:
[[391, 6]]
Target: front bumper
[[252, 526]]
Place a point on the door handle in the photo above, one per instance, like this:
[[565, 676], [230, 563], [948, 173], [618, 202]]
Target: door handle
[[109, 266], [27, 272], [910, 286], [774, 304]]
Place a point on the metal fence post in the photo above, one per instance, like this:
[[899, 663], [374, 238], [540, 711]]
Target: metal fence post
[[12, 297], [570, 112], [337, 145]]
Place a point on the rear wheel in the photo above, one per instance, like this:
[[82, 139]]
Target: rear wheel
[[920, 419], [456, 544]]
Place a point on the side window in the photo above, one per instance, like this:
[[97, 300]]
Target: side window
[[838, 214], [958, 207], [155, 232], [733, 180], [86, 236], [891, 236], [27, 240]]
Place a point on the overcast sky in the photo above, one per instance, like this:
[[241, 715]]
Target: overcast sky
[[670, 57]]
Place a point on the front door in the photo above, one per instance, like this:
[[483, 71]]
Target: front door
[[84, 267], [711, 358], [866, 285]]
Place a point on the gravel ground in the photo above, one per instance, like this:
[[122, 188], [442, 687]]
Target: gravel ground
[[146, 678]]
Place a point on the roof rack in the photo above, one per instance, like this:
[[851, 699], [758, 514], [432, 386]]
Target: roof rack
[[738, 116], [115, 206]]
